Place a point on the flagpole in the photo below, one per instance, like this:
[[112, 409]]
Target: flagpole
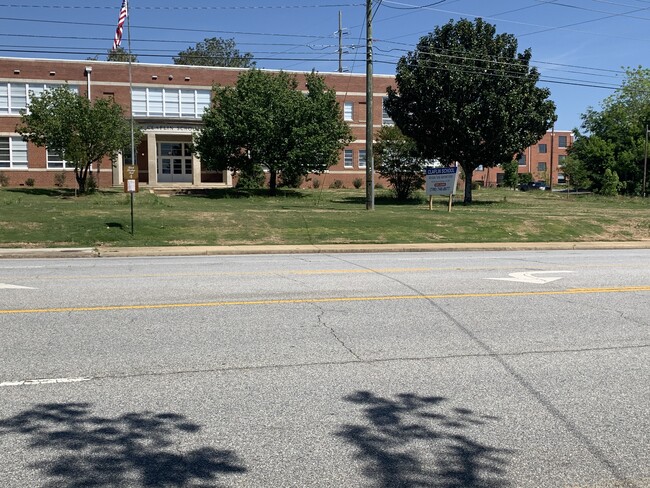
[[128, 34], [133, 161]]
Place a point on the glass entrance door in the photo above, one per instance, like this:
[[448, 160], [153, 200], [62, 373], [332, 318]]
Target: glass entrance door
[[174, 162]]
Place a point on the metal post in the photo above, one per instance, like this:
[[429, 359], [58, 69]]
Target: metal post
[[132, 198], [550, 181], [645, 161], [370, 170]]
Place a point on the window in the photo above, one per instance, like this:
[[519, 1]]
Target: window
[[14, 97], [348, 158], [55, 161], [541, 166], [542, 148], [348, 113], [561, 178], [385, 118], [169, 102], [522, 160], [562, 141], [13, 152], [362, 158], [561, 159]]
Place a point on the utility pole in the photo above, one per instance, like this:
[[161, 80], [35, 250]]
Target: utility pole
[[550, 182], [340, 42], [370, 167], [645, 160]]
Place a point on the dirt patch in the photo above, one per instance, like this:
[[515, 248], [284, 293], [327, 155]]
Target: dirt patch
[[20, 225]]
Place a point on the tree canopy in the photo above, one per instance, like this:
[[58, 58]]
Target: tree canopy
[[398, 161], [266, 121], [613, 138], [466, 96], [215, 51], [81, 131], [119, 54]]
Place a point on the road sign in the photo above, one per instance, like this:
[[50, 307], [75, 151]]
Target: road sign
[[441, 181]]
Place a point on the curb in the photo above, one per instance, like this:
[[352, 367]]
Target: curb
[[123, 252]]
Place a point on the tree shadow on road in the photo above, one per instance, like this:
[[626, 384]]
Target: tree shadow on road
[[133, 449], [417, 441]]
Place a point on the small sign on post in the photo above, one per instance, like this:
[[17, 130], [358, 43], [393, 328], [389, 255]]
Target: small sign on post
[[131, 178], [131, 185], [441, 181]]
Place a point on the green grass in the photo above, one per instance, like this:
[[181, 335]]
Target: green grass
[[55, 218]]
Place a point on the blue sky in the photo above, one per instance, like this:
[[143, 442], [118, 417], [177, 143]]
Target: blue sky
[[579, 46]]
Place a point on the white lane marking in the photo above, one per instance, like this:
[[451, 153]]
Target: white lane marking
[[43, 381], [5, 286], [528, 277]]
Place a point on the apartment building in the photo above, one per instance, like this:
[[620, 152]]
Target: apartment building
[[543, 161]]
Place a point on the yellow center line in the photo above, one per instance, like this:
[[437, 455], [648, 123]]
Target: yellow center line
[[571, 291]]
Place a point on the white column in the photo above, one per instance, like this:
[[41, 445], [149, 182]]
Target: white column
[[196, 171], [152, 160], [118, 177]]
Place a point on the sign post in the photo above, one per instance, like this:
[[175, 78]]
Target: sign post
[[131, 185], [441, 181]]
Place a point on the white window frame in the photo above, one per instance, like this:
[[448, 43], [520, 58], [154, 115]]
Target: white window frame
[[348, 111], [59, 163], [196, 100], [13, 162], [385, 118], [348, 158], [7, 99], [566, 141], [361, 155]]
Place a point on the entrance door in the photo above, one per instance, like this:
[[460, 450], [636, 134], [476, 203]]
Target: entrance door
[[174, 162]]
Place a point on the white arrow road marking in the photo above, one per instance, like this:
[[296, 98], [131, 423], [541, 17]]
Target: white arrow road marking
[[43, 381], [528, 277], [4, 286]]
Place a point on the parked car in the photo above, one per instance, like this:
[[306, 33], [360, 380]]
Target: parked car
[[533, 185]]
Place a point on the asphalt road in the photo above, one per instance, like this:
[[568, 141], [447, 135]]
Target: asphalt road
[[477, 369]]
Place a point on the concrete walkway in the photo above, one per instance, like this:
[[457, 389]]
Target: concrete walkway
[[106, 252]]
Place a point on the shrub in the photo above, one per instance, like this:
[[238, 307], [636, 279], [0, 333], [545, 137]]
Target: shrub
[[379, 186], [611, 183], [337, 185], [315, 183], [91, 184], [4, 179], [357, 182], [30, 182], [251, 179], [476, 185], [59, 179], [290, 179]]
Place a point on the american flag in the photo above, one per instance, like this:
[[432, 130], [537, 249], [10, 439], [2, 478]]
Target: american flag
[[120, 25]]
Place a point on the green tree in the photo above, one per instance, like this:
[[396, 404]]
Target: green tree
[[597, 155], [614, 137], [576, 173], [398, 161], [121, 55], [466, 95], [81, 131], [610, 183], [215, 51], [510, 173], [265, 120]]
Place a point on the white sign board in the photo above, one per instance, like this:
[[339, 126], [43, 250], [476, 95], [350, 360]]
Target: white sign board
[[441, 181], [130, 186]]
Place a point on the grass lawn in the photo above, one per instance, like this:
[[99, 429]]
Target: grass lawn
[[55, 218]]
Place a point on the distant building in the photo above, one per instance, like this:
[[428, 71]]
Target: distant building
[[543, 161]]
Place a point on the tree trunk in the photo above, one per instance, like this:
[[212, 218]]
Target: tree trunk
[[468, 186], [273, 182], [81, 180]]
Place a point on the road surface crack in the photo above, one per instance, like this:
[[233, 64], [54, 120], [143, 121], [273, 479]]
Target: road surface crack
[[321, 323]]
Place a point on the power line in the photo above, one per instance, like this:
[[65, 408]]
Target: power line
[[184, 7]]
